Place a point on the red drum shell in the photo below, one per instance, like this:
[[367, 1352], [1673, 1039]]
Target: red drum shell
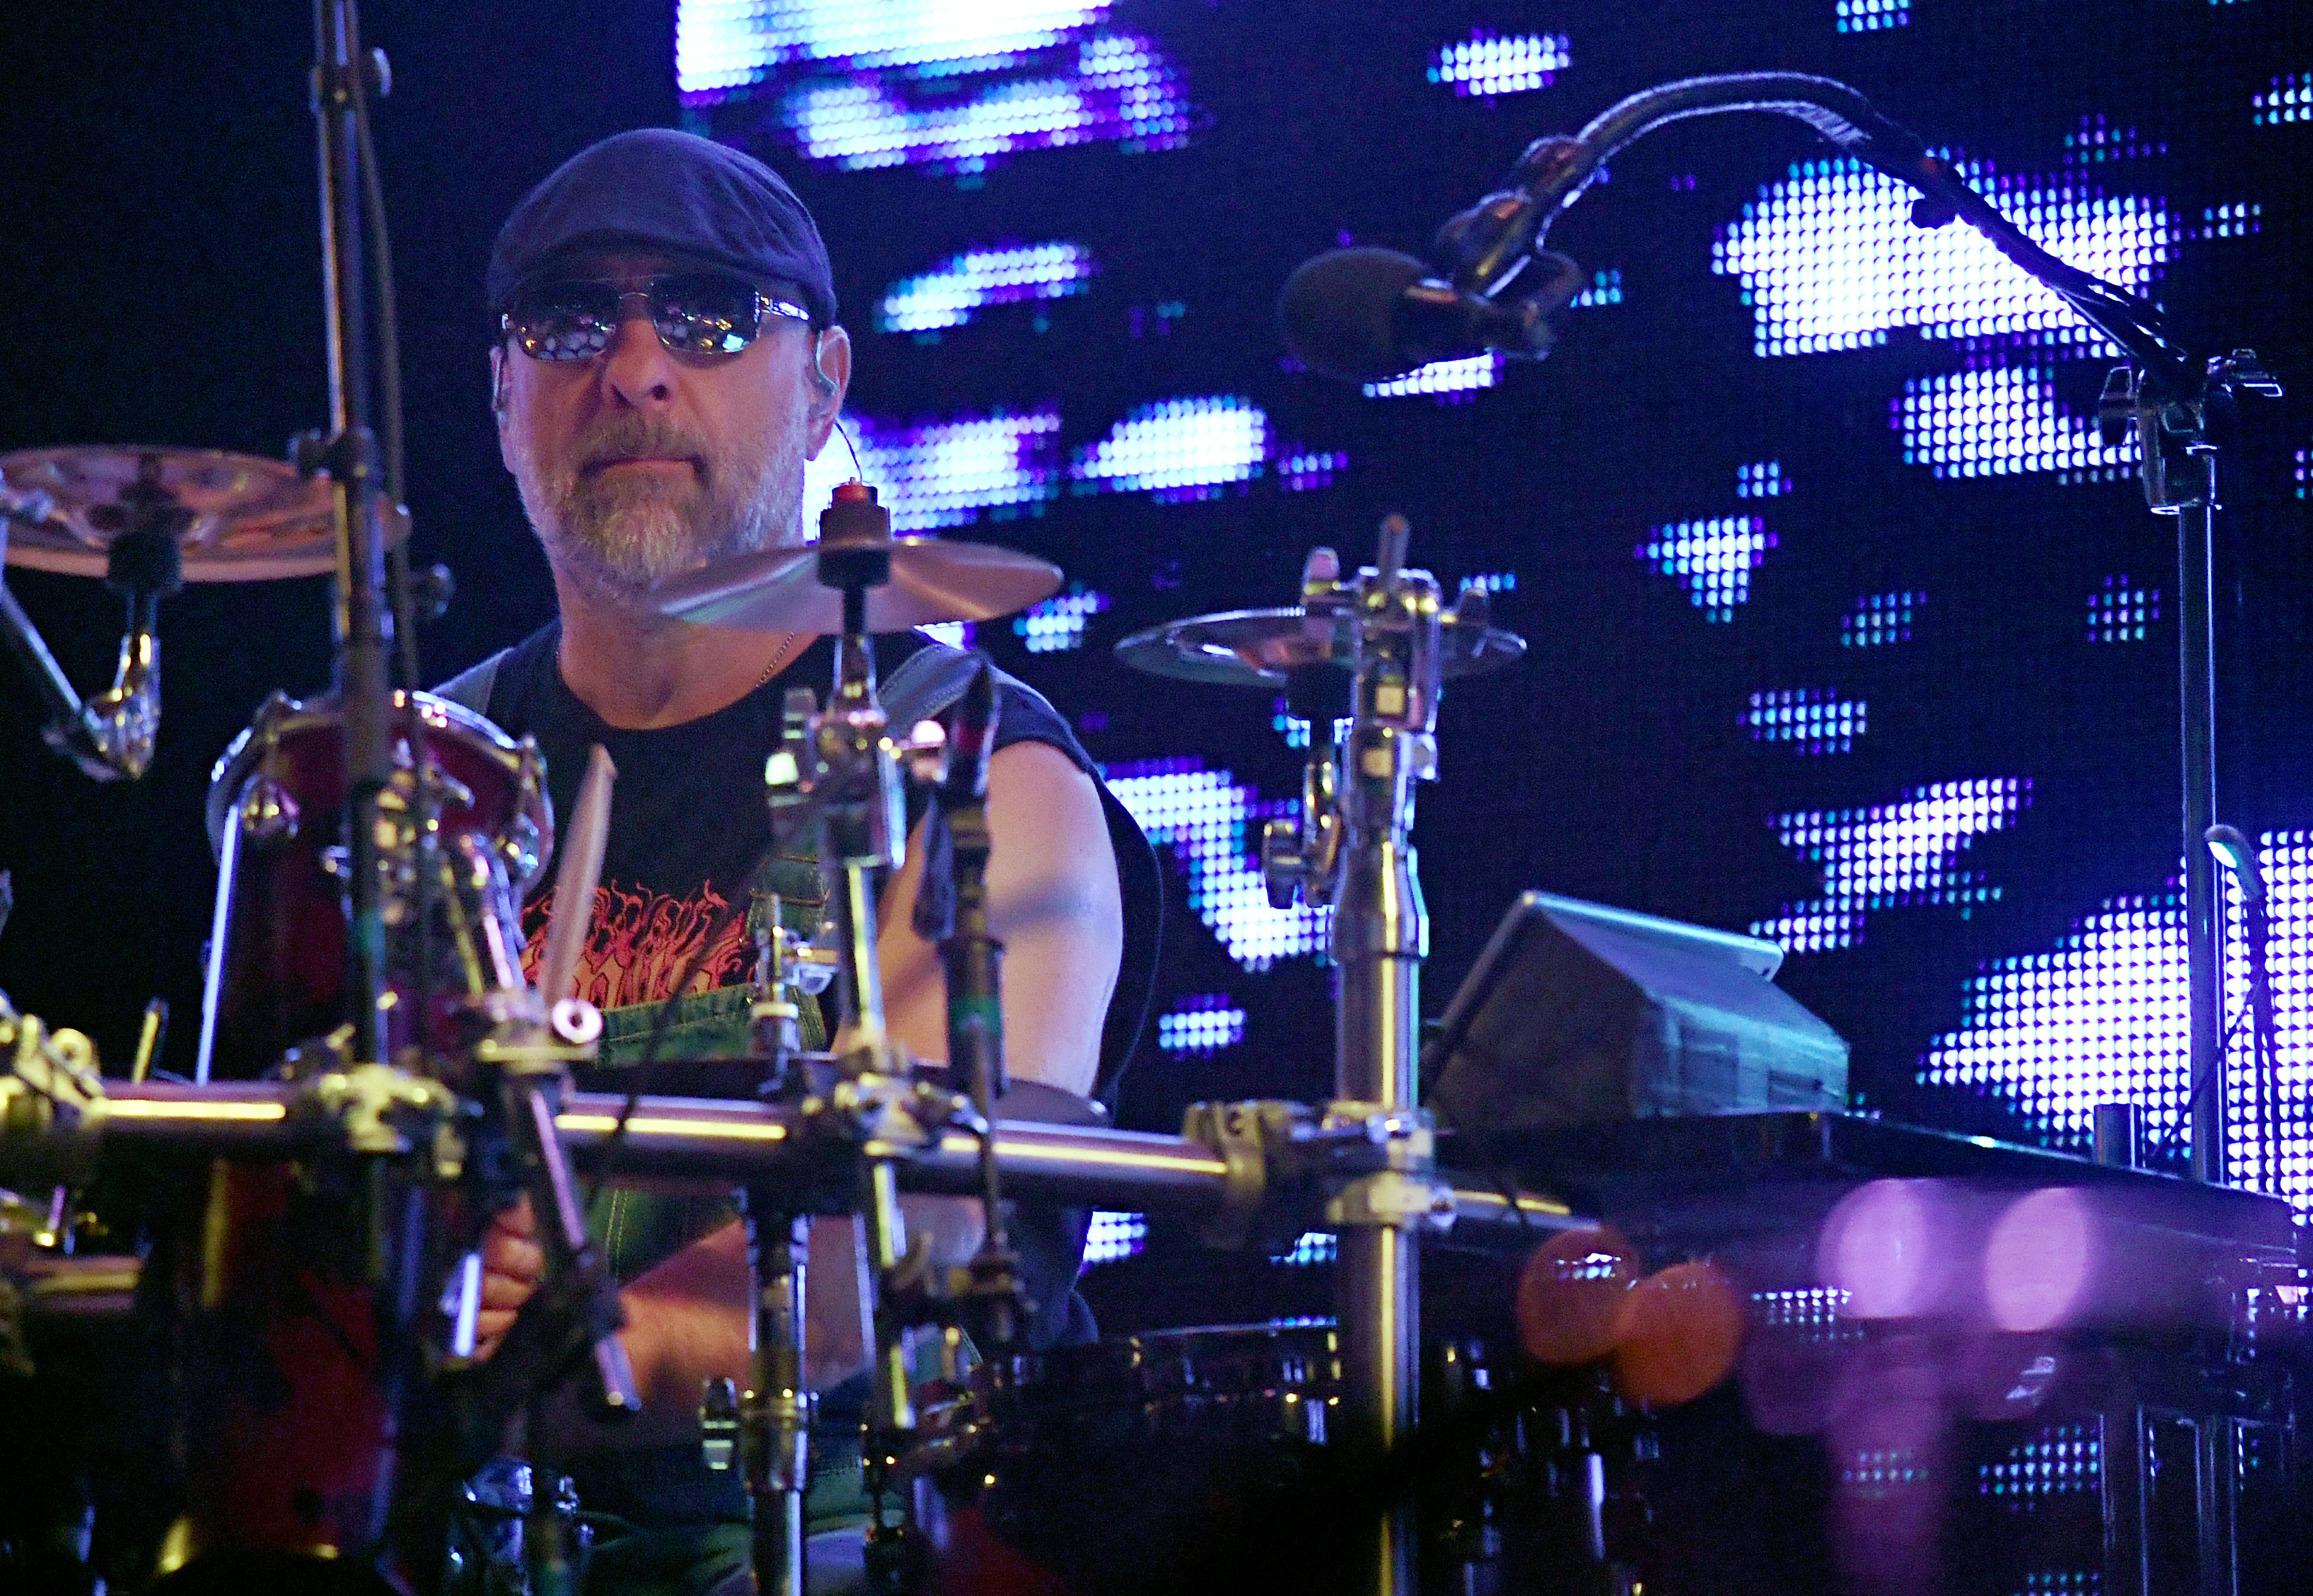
[[276, 956]]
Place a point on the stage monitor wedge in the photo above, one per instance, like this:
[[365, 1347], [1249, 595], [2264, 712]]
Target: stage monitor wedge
[[1578, 1014]]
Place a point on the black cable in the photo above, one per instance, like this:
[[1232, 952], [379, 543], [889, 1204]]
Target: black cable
[[2208, 1073], [390, 434]]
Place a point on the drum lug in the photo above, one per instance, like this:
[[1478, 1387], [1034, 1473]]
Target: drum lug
[[268, 812]]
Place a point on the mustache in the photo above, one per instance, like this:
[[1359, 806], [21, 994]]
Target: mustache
[[633, 436]]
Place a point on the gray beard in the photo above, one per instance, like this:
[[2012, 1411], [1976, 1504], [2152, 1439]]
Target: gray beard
[[619, 538]]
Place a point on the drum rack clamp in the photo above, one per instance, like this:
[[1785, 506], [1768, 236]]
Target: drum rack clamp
[[1355, 1163]]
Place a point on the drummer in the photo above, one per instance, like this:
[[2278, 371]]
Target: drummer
[[667, 358]]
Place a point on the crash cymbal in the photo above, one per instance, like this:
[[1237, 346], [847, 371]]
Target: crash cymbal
[[1261, 647], [932, 580], [236, 517]]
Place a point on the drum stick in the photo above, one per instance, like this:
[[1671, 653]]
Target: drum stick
[[576, 879]]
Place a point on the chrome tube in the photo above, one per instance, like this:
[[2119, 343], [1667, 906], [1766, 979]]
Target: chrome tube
[[711, 1139]]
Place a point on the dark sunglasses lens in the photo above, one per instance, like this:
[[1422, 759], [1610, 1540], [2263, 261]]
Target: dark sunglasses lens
[[704, 314], [567, 320]]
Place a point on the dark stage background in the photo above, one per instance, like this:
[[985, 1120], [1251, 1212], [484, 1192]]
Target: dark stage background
[[158, 263]]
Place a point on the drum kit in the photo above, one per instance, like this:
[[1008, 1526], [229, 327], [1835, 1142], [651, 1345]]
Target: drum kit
[[377, 1078], [328, 1412]]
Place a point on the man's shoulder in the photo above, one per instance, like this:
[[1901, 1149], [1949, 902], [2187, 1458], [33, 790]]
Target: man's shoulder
[[499, 682]]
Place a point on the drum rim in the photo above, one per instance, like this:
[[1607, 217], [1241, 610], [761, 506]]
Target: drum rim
[[280, 716]]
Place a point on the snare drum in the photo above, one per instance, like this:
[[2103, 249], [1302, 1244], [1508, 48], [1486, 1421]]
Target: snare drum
[[277, 958]]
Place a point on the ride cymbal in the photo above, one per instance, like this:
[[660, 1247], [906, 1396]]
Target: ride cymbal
[[235, 517], [931, 580], [1264, 647]]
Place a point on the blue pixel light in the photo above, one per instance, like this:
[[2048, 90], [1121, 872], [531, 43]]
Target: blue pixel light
[[1312, 1249], [1114, 1236], [2002, 421], [1487, 63], [1713, 560], [1605, 289], [1294, 729], [1109, 91], [1182, 448], [1878, 620], [949, 294], [1203, 1025], [1206, 818], [2059, 1459], [2119, 613], [1764, 480], [1059, 622], [2097, 140], [1830, 259], [728, 44], [2288, 100], [1310, 468], [1889, 854], [1811, 720], [1869, 16]]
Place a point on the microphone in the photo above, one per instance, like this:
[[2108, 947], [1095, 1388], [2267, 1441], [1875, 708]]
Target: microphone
[[970, 740], [1368, 315], [1489, 244]]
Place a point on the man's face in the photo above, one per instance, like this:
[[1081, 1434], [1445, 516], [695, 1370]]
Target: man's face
[[644, 462]]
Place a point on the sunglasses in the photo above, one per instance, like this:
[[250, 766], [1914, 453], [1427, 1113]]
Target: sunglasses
[[692, 313]]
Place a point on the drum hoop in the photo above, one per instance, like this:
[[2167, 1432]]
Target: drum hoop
[[281, 716]]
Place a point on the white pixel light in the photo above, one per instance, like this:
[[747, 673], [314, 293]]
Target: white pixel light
[[1831, 261], [1712, 559], [1886, 854], [943, 473], [951, 291], [1205, 816], [1204, 1024], [1123, 90], [1487, 63], [1443, 379], [1176, 446], [1058, 623], [2002, 421], [2101, 1017]]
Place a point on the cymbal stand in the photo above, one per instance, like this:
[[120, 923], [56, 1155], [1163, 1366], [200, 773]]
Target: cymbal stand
[[1353, 848], [842, 774], [110, 736]]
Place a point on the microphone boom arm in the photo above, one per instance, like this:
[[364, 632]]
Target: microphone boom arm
[[1555, 169]]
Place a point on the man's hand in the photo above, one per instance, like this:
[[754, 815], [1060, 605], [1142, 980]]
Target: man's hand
[[513, 1262]]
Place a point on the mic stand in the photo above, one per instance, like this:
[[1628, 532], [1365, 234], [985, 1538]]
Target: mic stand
[[361, 621], [973, 961], [2177, 404], [768, 1426]]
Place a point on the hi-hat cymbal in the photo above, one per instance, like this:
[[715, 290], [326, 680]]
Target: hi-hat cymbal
[[236, 517], [932, 580], [1263, 647]]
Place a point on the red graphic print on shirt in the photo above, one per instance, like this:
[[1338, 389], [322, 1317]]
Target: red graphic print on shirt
[[639, 943]]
